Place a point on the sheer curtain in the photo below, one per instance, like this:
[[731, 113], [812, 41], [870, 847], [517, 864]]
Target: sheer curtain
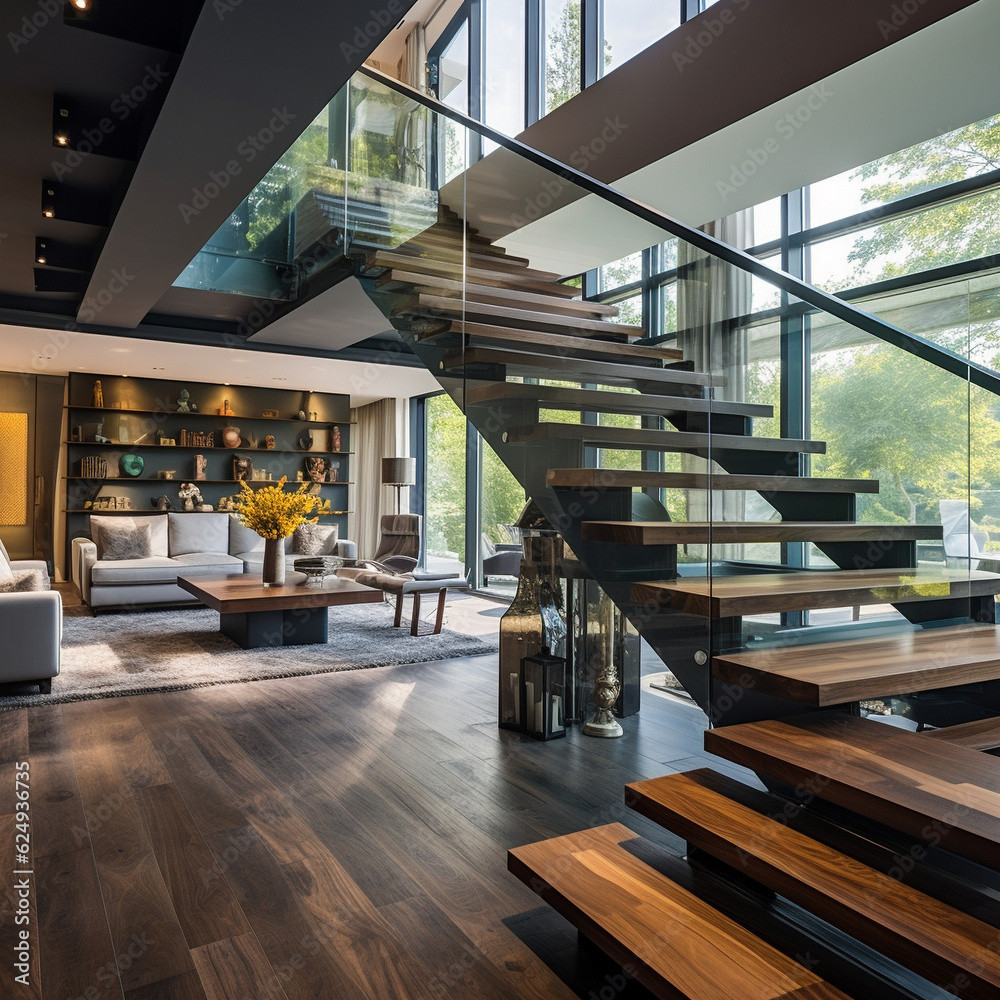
[[711, 296], [379, 432]]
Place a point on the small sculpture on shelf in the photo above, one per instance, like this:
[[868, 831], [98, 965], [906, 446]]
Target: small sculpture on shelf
[[227, 505], [231, 437], [316, 469], [332, 472], [184, 404], [97, 396], [242, 469], [227, 410], [161, 503], [192, 498], [304, 441], [269, 414], [269, 442], [335, 440], [99, 437], [166, 474], [200, 467], [197, 439]]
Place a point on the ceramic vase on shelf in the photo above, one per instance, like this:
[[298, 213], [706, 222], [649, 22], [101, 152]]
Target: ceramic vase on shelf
[[274, 562]]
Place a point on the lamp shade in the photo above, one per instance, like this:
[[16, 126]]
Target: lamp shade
[[399, 471]]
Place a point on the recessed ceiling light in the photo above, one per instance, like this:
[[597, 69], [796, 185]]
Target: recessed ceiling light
[[62, 139], [81, 4], [48, 213], [41, 260]]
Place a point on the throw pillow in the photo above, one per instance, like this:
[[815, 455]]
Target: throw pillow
[[116, 542], [6, 573], [24, 581], [315, 539]]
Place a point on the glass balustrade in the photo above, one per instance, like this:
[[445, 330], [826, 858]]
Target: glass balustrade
[[717, 511]]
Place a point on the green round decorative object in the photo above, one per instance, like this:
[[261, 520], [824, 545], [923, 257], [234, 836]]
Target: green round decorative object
[[132, 465]]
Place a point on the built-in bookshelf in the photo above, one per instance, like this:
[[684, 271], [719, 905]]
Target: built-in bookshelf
[[140, 417]]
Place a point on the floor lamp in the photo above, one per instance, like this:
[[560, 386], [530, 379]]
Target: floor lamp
[[401, 473]]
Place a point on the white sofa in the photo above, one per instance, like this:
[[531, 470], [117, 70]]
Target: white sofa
[[30, 630], [182, 545]]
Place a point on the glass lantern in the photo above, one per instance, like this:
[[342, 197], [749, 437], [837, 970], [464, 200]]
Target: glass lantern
[[543, 696], [524, 632]]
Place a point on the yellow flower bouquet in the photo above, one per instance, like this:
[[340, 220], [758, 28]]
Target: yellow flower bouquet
[[274, 515]]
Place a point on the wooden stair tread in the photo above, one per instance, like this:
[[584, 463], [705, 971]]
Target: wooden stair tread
[[400, 280], [509, 315], [834, 673], [470, 255], [608, 401], [677, 944], [655, 440], [564, 342], [928, 789], [981, 734], [933, 939], [725, 532], [625, 479], [527, 278], [769, 593], [528, 364], [455, 239]]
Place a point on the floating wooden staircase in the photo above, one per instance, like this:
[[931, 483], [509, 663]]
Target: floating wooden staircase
[[764, 876], [493, 327], [911, 929]]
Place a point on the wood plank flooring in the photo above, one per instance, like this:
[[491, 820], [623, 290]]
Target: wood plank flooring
[[342, 835]]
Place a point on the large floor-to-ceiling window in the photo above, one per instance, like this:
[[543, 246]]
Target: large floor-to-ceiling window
[[509, 62], [468, 497]]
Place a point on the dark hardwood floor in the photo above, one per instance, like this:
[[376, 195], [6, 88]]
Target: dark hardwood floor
[[333, 836]]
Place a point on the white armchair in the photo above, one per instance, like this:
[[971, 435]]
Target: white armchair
[[30, 630]]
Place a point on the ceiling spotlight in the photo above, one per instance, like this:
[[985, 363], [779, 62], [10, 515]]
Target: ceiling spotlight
[[81, 4], [62, 139], [48, 213], [41, 260]]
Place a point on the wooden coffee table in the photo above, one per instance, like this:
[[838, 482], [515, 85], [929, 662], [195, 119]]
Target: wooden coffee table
[[253, 615]]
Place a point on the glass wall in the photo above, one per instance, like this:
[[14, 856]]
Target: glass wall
[[444, 485], [633, 25], [477, 537], [503, 67], [517, 60]]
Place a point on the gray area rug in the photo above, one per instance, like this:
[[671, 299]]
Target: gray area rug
[[115, 655]]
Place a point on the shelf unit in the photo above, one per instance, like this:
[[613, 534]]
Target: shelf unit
[[209, 416], [150, 407], [126, 447]]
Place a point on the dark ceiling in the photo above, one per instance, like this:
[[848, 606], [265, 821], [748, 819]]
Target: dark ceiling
[[151, 98], [91, 66]]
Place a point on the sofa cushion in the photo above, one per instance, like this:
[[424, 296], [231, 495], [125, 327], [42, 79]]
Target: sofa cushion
[[122, 541], [207, 563], [155, 569], [6, 573], [198, 533], [315, 539], [24, 581], [158, 569], [157, 529], [243, 539]]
